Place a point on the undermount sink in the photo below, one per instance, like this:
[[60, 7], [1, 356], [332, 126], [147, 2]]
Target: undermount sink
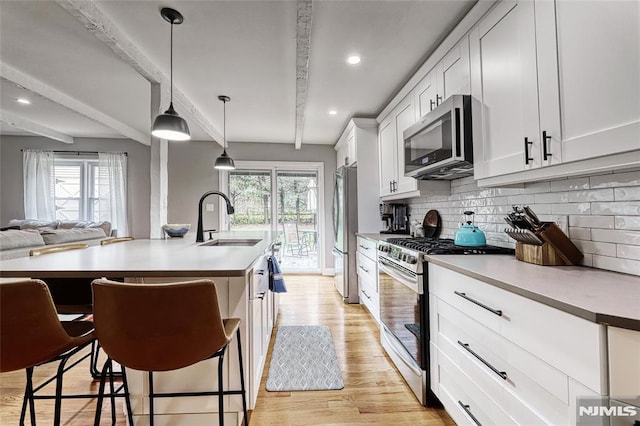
[[231, 242]]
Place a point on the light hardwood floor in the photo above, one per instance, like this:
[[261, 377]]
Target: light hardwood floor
[[374, 392]]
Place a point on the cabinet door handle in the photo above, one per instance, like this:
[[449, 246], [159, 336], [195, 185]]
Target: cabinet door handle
[[467, 410], [390, 186], [545, 149], [527, 142], [432, 104], [364, 269], [502, 374], [498, 312], [395, 186], [438, 99]]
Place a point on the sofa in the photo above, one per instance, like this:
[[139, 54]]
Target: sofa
[[20, 236]]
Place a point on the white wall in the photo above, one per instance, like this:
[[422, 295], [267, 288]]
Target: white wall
[[603, 212], [11, 192]]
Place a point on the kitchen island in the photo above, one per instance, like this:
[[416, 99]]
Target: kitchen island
[[228, 259]]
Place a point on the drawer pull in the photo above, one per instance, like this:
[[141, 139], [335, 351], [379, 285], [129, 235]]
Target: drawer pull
[[498, 312], [364, 269], [502, 374], [364, 247], [467, 410]]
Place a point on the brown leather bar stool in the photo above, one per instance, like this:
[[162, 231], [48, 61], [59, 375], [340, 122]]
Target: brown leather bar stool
[[31, 335], [187, 329], [76, 289]]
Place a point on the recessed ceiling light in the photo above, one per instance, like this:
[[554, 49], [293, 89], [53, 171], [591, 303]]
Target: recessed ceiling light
[[23, 101], [354, 59], [333, 112]]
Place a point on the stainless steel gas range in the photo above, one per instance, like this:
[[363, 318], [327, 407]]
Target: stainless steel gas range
[[404, 307]]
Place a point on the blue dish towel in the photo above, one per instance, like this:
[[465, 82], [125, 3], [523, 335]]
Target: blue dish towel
[[276, 282]]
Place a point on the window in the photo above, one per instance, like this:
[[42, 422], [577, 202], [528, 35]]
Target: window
[[76, 186]]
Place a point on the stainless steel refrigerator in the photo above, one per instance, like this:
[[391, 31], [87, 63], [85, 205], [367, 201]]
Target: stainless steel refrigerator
[[345, 225]]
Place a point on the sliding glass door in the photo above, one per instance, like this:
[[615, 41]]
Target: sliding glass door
[[284, 199], [297, 218], [250, 194]]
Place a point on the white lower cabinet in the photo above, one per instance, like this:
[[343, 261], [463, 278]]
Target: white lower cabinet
[[500, 358], [261, 320], [624, 375], [368, 276]]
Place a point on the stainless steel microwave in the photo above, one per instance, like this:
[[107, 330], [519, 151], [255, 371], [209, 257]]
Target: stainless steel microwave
[[440, 145]]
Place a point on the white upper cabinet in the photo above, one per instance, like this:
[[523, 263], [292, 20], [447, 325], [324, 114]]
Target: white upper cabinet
[[450, 76], [503, 79], [394, 185], [346, 149], [356, 132], [393, 182], [558, 82], [596, 76], [388, 163], [405, 116]]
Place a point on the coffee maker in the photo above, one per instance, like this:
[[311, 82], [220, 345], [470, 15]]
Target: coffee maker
[[395, 218]]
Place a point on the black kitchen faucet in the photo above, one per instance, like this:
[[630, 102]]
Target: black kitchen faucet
[[230, 210]]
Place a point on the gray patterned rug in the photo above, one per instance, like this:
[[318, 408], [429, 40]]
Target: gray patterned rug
[[304, 358]]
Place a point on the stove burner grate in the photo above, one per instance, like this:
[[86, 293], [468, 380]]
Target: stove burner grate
[[445, 246]]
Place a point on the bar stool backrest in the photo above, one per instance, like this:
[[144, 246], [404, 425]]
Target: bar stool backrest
[[158, 327], [30, 331]]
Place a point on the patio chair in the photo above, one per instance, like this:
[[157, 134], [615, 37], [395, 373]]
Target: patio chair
[[293, 240]]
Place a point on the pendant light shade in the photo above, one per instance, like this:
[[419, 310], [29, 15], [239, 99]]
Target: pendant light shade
[[170, 125], [224, 162]]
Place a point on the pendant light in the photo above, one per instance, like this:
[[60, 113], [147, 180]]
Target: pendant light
[[224, 162], [170, 125]]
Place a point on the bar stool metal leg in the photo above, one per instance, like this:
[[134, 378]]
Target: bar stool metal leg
[[150, 398], [244, 394], [28, 398], [58, 404], [126, 393], [221, 388]]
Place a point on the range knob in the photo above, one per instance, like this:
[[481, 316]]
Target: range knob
[[411, 260], [403, 257]]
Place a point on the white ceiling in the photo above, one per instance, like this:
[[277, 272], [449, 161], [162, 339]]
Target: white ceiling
[[80, 87]]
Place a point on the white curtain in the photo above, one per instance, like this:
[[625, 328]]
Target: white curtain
[[38, 175], [112, 190]]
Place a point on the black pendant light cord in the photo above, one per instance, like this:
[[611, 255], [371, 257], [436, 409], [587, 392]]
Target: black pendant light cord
[[171, 67], [224, 125]]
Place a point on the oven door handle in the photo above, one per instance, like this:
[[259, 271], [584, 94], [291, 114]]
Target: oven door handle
[[410, 281]]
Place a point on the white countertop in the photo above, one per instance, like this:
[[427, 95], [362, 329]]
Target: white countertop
[[594, 294], [151, 258]]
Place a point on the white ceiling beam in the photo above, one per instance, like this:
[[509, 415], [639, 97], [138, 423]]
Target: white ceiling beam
[[47, 91], [101, 26], [303, 48], [22, 123]]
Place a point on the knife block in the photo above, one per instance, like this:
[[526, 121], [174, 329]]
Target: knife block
[[556, 250]]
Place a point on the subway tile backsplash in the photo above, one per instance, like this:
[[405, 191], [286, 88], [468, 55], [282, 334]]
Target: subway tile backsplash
[[603, 213]]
